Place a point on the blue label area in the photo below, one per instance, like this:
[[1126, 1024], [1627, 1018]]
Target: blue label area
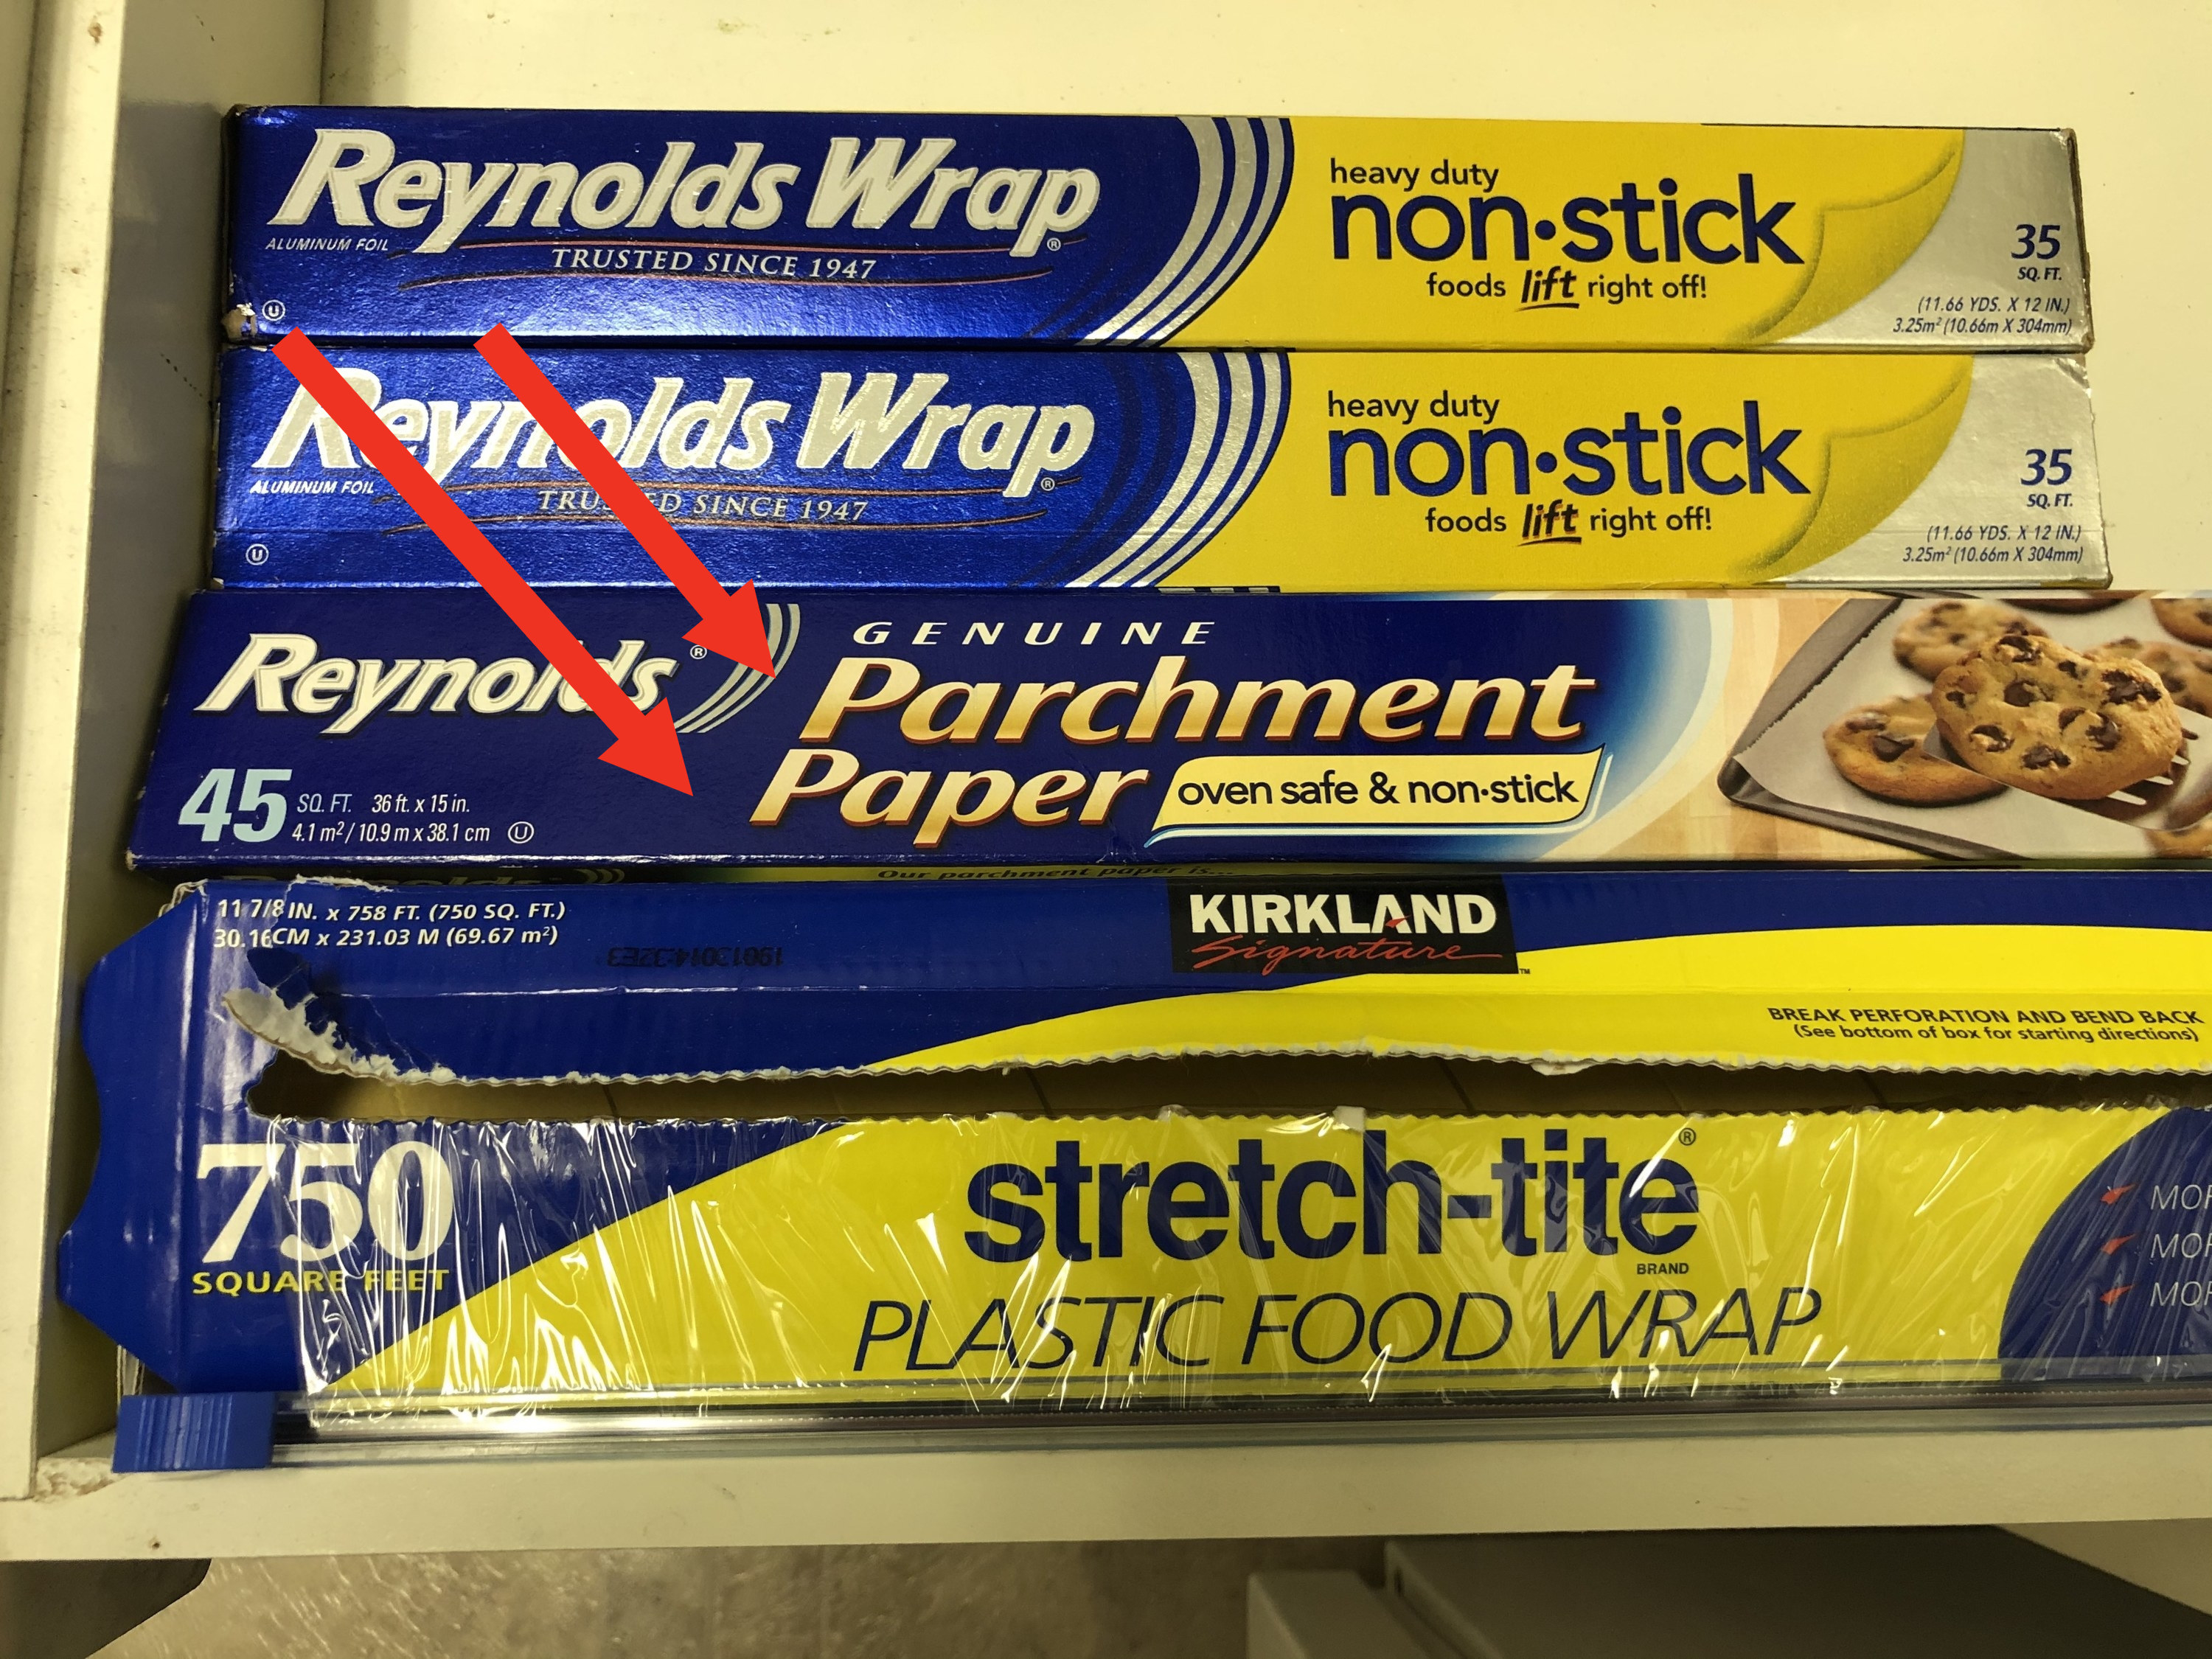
[[331, 728], [525, 1190], [869, 468], [402, 224], [2117, 1284]]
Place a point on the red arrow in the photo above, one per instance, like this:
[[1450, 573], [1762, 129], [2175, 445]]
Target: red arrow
[[729, 624], [645, 742]]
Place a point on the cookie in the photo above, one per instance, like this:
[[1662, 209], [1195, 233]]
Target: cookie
[[2193, 842], [2185, 616], [2187, 674], [1877, 749], [2032, 714], [2068, 604], [1932, 639]]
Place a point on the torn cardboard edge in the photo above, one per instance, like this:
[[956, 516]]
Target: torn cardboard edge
[[2037, 972]]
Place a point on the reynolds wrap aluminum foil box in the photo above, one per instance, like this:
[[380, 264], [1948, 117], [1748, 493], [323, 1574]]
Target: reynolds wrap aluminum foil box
[[346, 726], [298, 1190], [435, 224], [1323, 471]]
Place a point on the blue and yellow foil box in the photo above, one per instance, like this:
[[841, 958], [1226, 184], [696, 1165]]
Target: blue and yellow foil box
[[1407, 471], [420, 224]]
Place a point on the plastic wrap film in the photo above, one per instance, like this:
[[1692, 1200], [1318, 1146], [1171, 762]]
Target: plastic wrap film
[[312, 1181], [421, 224], [952, 1261]]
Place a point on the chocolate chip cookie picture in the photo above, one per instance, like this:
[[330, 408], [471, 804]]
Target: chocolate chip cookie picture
[[2185, 616], [2186, 674], [2074, 604], [1877, 748], [1937, 635], [2193, 842], [2042, 718]]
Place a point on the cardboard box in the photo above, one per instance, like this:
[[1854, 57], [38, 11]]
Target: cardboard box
[[1478, 1238], [1305, 471], [1337, 233], [2030, 971], [338, 728]]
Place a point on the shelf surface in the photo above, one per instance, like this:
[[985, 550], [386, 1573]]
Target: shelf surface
[[2015, 1466]]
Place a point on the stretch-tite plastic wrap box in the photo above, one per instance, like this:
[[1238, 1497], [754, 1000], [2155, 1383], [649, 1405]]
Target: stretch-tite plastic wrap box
[[307, 1181]]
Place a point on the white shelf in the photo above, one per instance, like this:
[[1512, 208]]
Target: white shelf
[[102, 515], [2007, 1467]]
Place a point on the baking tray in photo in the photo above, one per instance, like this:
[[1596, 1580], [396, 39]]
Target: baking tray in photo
[[1780, 765]]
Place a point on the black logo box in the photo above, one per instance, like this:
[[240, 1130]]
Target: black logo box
[[1322, 925]]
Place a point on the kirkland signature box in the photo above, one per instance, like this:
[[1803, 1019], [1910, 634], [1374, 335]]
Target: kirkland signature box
[[359, 1230], [341, 727], [1320, 471], [384, 224]]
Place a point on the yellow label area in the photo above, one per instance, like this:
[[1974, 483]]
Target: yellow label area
[[1434, 471], [2023, 998], [997, 1259], [1308, 792], [1398, 234]]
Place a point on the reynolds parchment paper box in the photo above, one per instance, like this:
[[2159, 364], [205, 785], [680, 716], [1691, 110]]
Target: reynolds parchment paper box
[[420, 224], [1324, 471], [336, 727]]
